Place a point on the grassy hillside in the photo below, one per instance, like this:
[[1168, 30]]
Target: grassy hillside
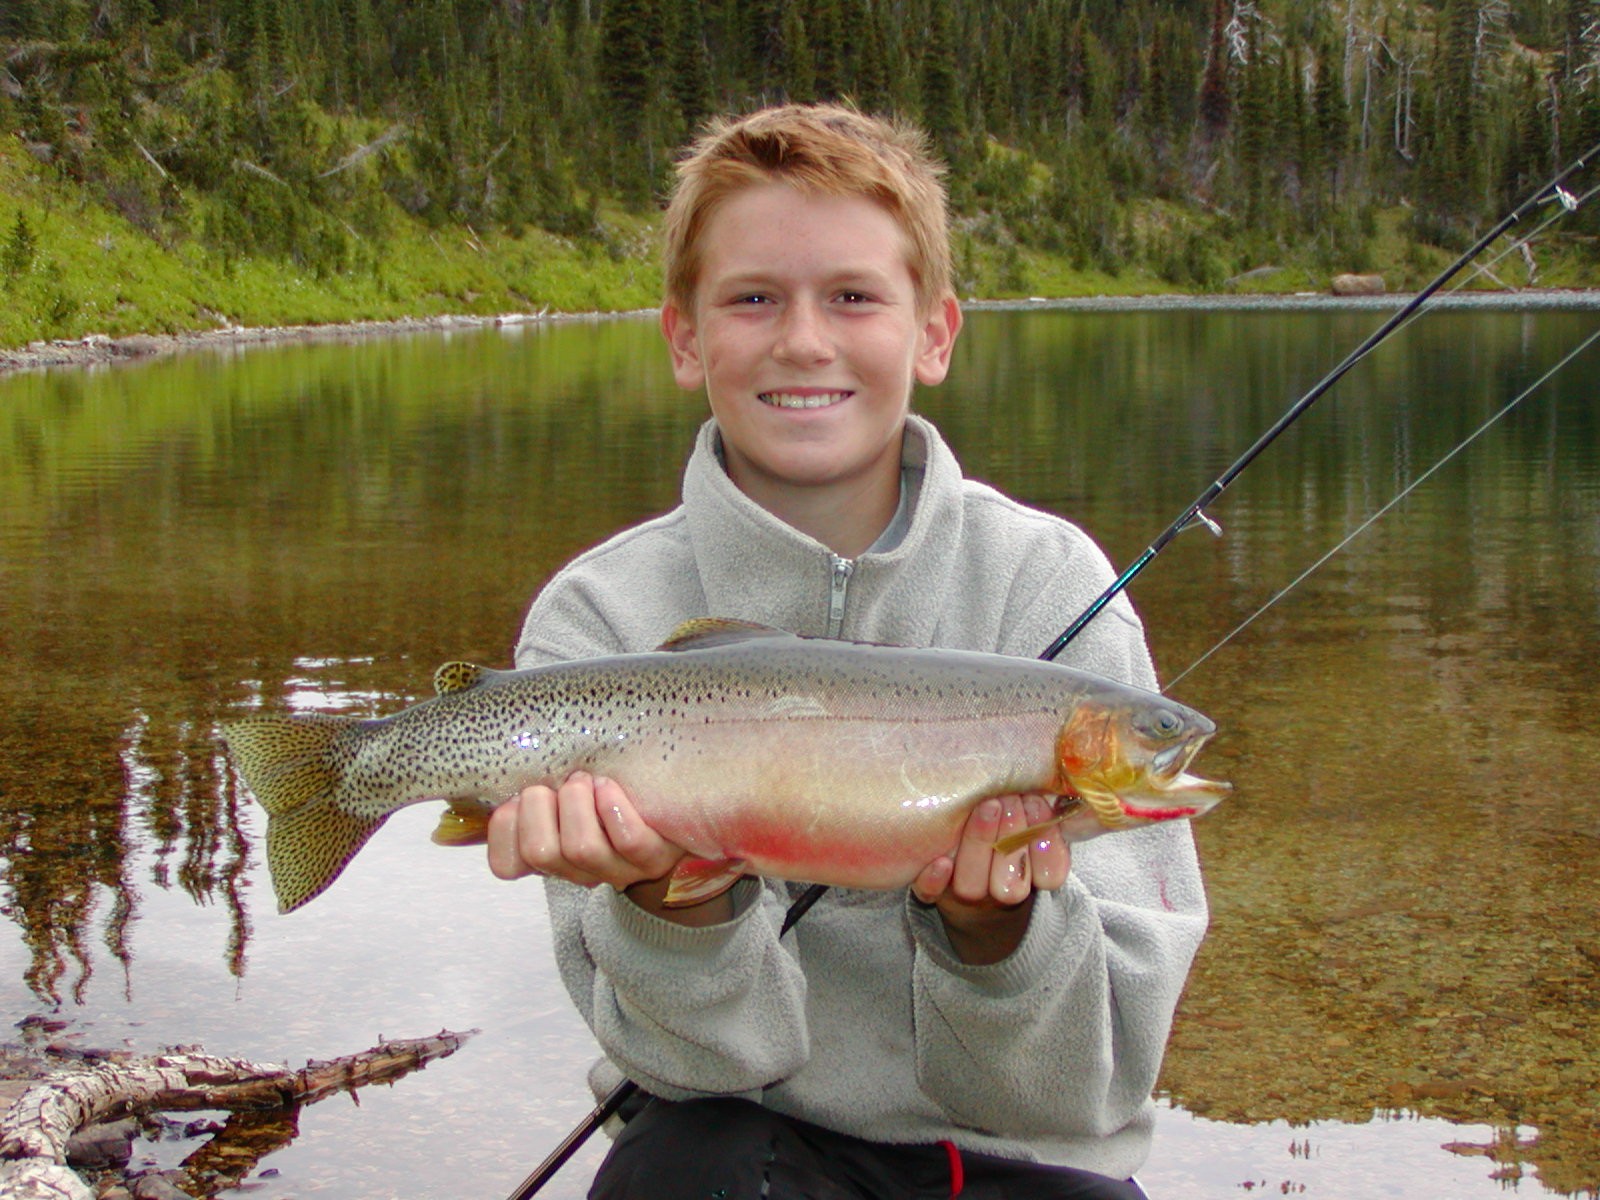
[[70, 267]]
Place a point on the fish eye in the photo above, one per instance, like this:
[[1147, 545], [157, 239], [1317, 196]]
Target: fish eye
[[1165, 722]]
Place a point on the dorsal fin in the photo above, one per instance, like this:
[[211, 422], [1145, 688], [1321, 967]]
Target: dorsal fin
[[702, 632], [458, 677], [717, 631]]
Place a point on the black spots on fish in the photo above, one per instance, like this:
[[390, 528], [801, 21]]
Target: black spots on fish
[[308, 848]]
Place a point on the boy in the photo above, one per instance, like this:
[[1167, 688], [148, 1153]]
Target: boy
[[997, 1028]]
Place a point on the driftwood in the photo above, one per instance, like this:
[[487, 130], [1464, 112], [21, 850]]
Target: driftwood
[[265, 1099]]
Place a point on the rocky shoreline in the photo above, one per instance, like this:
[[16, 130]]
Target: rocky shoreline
[[98, 348]]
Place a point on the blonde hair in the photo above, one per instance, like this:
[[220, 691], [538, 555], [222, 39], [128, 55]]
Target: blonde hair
[[827, 149]]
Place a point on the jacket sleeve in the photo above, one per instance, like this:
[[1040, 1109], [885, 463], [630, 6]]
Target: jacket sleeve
[[1066, 1035], [681, 1011]]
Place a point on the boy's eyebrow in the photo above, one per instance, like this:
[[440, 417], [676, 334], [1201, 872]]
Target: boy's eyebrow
[[848, 273]]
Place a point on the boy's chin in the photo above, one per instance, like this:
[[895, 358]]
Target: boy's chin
[[810, 466]]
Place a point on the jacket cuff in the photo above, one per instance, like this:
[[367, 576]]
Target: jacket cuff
[[1059, 932], [661, 934]]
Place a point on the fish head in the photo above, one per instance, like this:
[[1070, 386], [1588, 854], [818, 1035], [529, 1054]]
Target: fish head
[[1127, 758]]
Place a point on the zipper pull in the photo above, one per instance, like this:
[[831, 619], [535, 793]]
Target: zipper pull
[[842, 567]]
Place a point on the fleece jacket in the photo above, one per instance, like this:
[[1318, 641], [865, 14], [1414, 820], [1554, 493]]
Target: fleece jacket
[[863, 1019]]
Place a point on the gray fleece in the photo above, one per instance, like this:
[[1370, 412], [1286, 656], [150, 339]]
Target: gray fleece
[[863, 1020]]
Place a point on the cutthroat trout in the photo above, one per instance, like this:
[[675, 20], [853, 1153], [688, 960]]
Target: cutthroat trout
[[757, 751]]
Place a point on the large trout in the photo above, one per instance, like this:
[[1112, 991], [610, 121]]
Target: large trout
[[756, 751]]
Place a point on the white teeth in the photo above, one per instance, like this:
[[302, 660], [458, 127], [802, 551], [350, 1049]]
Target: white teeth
[[787, 400]]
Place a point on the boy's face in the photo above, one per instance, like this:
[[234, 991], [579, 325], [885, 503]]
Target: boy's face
[[806, 335]]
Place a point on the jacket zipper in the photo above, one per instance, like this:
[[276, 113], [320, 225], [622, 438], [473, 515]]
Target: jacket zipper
[[842, 567]]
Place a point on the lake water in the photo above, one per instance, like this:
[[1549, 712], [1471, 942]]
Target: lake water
[[1401, 987]]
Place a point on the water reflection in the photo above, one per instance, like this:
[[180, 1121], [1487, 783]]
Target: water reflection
[[1402, 883]]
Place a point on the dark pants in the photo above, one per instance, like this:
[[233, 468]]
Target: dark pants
[[727, 1149]]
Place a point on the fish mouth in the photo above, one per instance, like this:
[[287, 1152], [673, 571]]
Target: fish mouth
[[1163, 791], [1173, 792]]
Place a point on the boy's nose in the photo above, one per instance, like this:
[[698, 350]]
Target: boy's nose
[[803, 337]]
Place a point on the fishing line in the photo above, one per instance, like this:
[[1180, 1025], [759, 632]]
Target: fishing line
[[1564, 203], [1195, 514], [1406, 491]]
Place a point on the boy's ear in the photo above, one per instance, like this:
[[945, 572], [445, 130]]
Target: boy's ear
[[938, 341], [678, 329]]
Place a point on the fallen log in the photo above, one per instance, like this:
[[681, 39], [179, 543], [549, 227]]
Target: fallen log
[[36, 1129]]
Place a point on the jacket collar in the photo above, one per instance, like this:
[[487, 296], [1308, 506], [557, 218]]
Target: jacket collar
[[757, 568]]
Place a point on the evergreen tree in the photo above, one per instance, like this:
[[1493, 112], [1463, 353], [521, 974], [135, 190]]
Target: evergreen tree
[[828, 48], [16, 258], [1330, 117], [1450, 166], [1216, 100], [872, 65], [1158, 91], [941, 101], [794, 41], [691, 67], [625, 85], [1254, 131]]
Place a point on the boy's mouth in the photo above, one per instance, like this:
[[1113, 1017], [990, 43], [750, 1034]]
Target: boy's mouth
[[802, 399]]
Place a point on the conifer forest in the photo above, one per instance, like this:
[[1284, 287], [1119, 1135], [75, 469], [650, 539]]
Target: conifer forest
[[1192, 139]]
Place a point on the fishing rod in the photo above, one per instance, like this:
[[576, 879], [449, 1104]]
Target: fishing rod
[[1192, 516]]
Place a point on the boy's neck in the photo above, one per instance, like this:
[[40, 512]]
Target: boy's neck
[[846, 516]]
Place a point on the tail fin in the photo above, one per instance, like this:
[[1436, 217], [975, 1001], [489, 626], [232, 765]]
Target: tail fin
[[293, 766]]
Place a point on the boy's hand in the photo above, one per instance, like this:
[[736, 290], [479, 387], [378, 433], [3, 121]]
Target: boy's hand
[[985, 898], [587, 831]]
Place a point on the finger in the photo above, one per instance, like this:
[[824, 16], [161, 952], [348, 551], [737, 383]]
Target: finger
[[524, 838], [970, 880], [1009, 874], [540, 837], [935, 878], [630, 836], [504, 861], [584, 843], [1049, 855]]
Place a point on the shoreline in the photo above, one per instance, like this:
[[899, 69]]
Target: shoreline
[[100, 349]]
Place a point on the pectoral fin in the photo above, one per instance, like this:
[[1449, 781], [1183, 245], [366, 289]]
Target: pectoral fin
[[1075, 820], [696, 880]]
